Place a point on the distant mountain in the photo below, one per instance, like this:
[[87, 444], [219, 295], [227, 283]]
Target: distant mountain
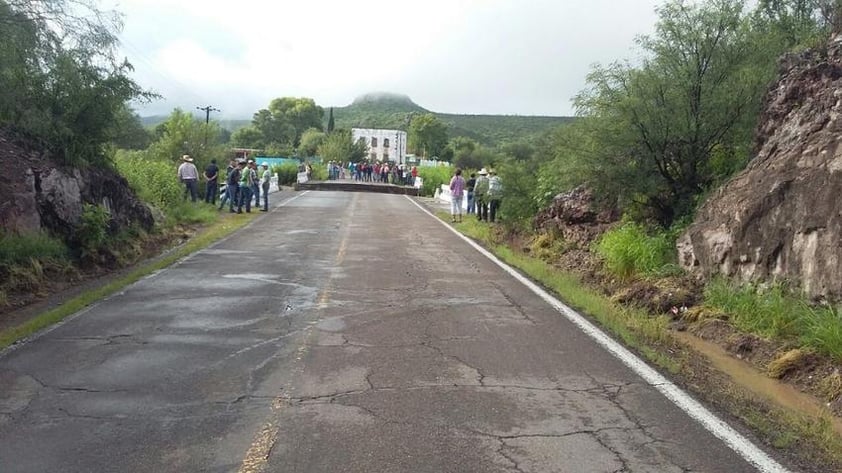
[[385, 110], [376, 110]]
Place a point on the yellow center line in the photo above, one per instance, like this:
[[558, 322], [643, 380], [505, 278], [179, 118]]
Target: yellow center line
[[257, 456]]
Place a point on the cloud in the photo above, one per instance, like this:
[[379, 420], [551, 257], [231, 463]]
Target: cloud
[[461, 56]]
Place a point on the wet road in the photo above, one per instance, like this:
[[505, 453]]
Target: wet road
[[340, 332]]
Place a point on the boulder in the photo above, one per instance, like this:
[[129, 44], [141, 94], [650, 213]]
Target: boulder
[[576, 216], [41, 194], [781, 217]]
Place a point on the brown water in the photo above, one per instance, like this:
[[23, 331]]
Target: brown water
[[747, 377]]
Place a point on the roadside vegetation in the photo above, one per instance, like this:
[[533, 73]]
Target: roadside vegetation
[[814, 439]]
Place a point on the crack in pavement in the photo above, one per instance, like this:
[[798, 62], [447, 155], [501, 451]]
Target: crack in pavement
[[513, 303]]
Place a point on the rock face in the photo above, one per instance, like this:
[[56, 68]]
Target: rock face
[[781, 218], [576, 216], [37, 193]]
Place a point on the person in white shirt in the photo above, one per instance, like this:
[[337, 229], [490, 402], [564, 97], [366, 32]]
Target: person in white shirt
[[189, 176]]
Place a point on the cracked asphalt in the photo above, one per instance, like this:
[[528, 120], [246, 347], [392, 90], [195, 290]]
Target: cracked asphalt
[[341, 332]]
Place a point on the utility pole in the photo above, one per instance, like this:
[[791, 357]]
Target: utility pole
[[207, 110]]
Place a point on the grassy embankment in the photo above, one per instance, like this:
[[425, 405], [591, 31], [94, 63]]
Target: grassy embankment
[[771, 313], [208, 234]]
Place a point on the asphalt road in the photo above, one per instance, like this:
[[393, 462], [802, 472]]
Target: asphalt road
[[341, 332]]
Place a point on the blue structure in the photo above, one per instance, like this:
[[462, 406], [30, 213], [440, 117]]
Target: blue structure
[[275, 160]]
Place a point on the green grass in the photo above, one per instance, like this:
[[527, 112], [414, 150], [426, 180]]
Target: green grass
[[776, 312], [18, 249], [650, 336], [191, 213], [629, 251], [217, 230], [635, 327]]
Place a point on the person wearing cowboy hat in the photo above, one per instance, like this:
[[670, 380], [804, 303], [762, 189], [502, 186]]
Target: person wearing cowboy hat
[[265, 179], [480, 191], [189, 175]]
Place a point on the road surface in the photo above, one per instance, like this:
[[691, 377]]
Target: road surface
[[341, 332]]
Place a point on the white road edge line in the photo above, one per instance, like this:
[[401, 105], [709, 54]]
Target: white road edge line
[[154, 274], [736, 441]]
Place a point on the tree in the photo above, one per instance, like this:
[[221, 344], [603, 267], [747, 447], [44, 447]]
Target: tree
[[330, 123], [427, 135], [184, 134], [60, 79], [127, 132], [696, 94], [248, 137], [339, 146], [310, 142]]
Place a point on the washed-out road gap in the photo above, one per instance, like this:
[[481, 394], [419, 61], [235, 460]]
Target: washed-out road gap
[[341, 332]]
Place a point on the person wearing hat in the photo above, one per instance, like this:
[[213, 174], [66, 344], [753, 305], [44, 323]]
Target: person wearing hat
[[494, 195], [480, 191], [265, 179], [189, 176]]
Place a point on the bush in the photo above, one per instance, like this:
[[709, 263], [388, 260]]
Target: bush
[[628, 250], [518, 205], [287, 173], [93, 227], [433, 178], [154, 180]]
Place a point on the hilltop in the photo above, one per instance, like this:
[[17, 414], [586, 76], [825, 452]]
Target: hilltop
[[387, 110]]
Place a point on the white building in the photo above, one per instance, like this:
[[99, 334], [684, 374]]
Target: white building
[[383, 145]]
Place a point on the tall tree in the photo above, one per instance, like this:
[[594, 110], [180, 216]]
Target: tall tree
[[428, 135], [695, 96], [127, 132], [330, 123], [60, 77]]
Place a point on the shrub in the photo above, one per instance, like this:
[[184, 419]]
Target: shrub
[[433, 178], [154, 180], [287, 173], [628, 250], [93, 227], [518, 206]]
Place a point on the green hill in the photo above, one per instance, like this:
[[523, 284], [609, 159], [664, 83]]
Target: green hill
[[382, 110]]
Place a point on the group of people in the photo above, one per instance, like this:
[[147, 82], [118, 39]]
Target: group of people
[[242, 183], [484, 194], [383, 172]]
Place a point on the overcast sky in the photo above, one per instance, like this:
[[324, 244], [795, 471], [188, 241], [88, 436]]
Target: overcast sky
[[513, 57]]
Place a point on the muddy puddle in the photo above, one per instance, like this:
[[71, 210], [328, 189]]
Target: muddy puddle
[[746, 376]]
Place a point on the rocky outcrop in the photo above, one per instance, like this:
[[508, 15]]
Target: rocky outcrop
[[576, 216], [37, 193], [781, 218]]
